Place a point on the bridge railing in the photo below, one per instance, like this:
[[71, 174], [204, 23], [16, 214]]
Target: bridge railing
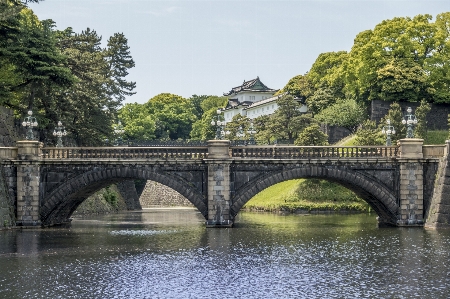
[[125, 152], [293, 152], [433, 151], [8, 153]]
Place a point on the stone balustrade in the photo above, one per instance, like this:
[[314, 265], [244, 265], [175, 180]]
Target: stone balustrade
[[200, 152], [7, 153], [434, 151], [292, 152]]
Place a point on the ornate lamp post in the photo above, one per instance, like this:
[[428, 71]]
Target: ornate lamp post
[[29, 123], [119, 130], [388, 130], [411, 121], [59, 132], [219, 124], [251, 131]]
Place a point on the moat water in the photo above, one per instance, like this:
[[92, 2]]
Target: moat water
[[168, 253]]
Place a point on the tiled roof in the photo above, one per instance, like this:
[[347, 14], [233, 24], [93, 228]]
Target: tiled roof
[[252, 85]]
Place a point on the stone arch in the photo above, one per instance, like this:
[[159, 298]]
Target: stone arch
[[58, 206], [377, 195]]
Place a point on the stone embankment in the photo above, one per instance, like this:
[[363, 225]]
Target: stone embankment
[[438, 215], [98, 203], [156, 194]]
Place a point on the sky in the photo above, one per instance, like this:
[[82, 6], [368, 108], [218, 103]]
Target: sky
[[207, 47]]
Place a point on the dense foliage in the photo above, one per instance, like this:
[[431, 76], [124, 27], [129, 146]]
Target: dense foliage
[[62, 75]]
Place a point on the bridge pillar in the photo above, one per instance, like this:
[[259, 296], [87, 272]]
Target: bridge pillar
[[28, 172], [411, 183], [219, 184]]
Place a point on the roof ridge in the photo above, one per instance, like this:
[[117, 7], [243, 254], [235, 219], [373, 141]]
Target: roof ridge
[[248, 85]]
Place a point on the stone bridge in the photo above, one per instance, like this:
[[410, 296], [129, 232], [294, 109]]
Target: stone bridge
[[47, 184]]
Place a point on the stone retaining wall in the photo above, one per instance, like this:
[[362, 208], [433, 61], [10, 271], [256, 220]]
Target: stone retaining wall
[[156, 194], [335, 133], [96, 204], [7, 213], [436, 118]]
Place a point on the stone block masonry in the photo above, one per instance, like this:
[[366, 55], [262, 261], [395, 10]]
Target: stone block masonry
[[156, 194], [7, 214], [436, 118], [438, 215]]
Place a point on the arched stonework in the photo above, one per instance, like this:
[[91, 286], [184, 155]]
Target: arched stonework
[[380, 198], [58, 206]]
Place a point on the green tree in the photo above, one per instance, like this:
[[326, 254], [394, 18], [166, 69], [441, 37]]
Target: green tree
[[286, 122], [421, 113], [320, 99], [239, 124], [299, 87], [437, 66], [402, 59], [395, 117], [118, 57], [202, 128], [31, 53], [196, 103], [86, 108], [261, 126], [312, 135], [138, 124], [173, 114], [369, 134], [346, 113]]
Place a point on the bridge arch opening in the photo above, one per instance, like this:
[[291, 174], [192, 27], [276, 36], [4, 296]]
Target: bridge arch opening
[[375, 193], [59, 205]]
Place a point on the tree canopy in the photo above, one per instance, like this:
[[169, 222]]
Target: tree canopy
[[61, 75]]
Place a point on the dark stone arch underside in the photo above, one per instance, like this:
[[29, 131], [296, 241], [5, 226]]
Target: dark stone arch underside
[[57, 207], [380, 198]]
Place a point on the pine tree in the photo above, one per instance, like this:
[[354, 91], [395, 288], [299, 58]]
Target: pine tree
[[421, 115], [119, 61]]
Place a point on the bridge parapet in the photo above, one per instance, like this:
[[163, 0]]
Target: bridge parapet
[[434, 151], [289, 152], [192, 153], [8, 153]]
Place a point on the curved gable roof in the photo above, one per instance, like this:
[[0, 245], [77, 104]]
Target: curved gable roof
[[251, 85]]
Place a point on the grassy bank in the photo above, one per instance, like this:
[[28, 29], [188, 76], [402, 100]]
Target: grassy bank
[[303, 195]]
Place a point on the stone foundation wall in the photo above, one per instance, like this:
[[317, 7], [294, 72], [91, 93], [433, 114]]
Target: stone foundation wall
[[7, 213], [436, 118], [335, 133], [96, 204], [156, 194]]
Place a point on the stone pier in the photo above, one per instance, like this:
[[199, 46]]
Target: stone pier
[[411, 182], [219, 184], [28, 179]]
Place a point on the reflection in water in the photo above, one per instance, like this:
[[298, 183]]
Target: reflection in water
[[168, 253]]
